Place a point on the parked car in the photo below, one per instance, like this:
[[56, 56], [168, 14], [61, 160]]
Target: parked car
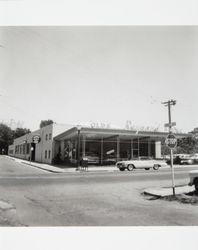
[[109, 161], [92, 159], [181, 159], [187, 161], [194, 158], [194, 179], [143, 162]]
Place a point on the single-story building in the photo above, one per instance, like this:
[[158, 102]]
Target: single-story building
[[65, 144]]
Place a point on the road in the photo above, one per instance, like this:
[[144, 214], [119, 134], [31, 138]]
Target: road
[[34, 197]]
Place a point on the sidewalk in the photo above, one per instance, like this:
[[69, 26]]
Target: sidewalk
[[55, 169], [42, 166], [168, 191]]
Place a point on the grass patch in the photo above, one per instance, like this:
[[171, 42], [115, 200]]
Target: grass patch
[[189, 198]]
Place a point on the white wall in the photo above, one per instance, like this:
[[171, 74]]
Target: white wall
[[158, 149], [44, 145]]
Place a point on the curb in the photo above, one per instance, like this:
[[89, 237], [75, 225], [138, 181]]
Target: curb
[[167, 191], [49, 170]]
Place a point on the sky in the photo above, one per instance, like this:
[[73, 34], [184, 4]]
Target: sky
[[99, 74]]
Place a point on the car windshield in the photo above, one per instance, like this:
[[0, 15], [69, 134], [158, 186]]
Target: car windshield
[[142, 158], [145, 158]]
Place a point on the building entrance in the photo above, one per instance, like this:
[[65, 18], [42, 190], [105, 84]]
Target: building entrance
[[33, 149]]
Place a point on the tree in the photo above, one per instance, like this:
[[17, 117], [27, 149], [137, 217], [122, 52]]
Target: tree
[[20, 132], [44, 123], [6, 137], [187, 145]]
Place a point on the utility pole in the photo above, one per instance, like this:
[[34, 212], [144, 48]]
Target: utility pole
[[78, 160], [171, 140]]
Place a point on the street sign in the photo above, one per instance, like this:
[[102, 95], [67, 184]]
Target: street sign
[[169, 125], [36, 139], [171, 141]]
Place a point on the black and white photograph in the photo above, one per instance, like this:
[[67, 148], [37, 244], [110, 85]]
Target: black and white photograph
[[98, 127]]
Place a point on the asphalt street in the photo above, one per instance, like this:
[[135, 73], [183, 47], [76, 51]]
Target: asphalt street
[[33, 197]]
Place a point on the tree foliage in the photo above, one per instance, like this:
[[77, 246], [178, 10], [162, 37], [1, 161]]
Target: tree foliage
[[44, 123], [7, 136], [187, 145], [20, 132]]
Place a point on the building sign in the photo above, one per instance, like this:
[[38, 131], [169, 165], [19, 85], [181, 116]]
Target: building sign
[[110, 152], [171, 141], [170, 125], [36, 139], [100, 125]]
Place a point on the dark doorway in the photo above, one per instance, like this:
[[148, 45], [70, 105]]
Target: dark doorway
[[33, 146]]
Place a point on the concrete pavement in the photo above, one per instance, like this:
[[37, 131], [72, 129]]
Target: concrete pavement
[[168, 191], [154, 191], [33, 197]]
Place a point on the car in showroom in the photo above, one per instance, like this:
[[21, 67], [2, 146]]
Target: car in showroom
[[93, 159], [194, 179], [142, 162]]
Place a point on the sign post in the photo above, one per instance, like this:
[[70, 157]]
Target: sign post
[[171, 142]]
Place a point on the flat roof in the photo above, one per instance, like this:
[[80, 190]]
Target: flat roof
[[107, 132]]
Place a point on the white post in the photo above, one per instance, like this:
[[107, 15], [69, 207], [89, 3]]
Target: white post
[[158, 149], [101, 155], [84, 146], [172, 171], [131, 148], [118, 149]]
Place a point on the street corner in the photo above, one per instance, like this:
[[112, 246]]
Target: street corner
[[168, 191], [183, 194], [8, 215], [44, 167], [5, 205]]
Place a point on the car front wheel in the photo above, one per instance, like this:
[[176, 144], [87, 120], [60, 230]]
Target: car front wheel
[[156, 167], [130, 167], [122, 169], [147, 168]]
